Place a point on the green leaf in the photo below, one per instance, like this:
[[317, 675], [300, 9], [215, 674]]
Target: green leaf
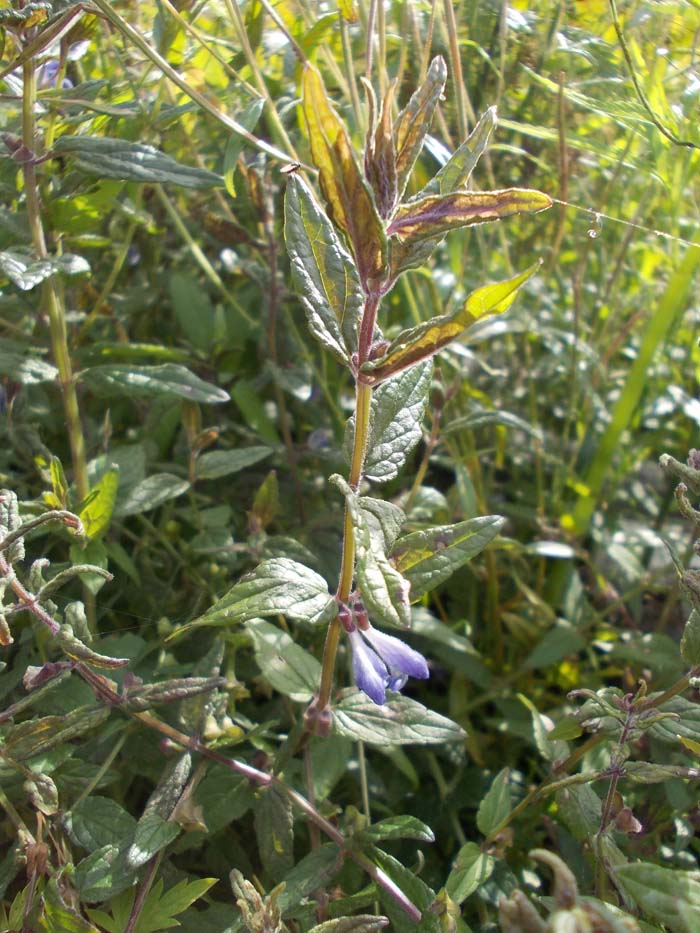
[[311, 873], [57, 917], [413, 123], [279, 586], [397, 827], [287, 667], [42, 793], [413, 888], [496, 805], [26, 272], [550, 749], [245, 395], [470, 870], [150, 493], [37, 736], [670, 896], [324, 274], [420, 342], [27, 370], [152, 834], [118, 158], [224, 797], [427, 558], [686, 726], [457, 171], [560, 641], [384, 590], [400, 721], [247, 118], [690, 641], [395, 422], [218, 463], [274, 829], [437, 214], [362, 923], [194, 310], [350, 201], [96, 821], [170, 380], [96, 515], [103, 874]]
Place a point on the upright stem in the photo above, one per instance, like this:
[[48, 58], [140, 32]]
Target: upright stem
[[363, 405], [52, 297]]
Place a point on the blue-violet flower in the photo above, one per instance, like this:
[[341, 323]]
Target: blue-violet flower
[[382, 662]]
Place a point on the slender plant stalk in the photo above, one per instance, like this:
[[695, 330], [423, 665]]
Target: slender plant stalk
[[363, 403], [51, 294]]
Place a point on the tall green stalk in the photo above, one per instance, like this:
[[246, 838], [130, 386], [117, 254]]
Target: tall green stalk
[[52, 298]]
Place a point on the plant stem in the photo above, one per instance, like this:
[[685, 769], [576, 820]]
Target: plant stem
[[52, 298], [363, 405]]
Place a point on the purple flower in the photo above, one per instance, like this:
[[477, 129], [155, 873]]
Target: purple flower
[[382, 662]]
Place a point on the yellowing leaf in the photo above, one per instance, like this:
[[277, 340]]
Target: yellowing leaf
[[418, 343], [414, 120], [349, 199], [437, 214]]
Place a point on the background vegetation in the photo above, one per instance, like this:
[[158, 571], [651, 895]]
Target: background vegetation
[[159, 381]]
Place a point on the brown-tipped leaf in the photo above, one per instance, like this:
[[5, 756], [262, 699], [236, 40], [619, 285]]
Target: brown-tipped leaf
[[437, 214], [349, 198], [414, 120], [422, 341]]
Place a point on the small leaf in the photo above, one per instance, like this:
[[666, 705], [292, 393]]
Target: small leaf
[[427, 558], [25, 369], [420, 342], [324, 274], [470, 870], [311, 873], [457, 171], [383, 588], [362, 923], [670, 896], [150, 493], [152, 834], [57, 917], [413, 123], [247, 118], [96, 515], [398, 827], [169, 379], [350, 202], [218, 463], [395, 422], [380, 159], [285, 665], [103, 874], [42, 793], [276, 587], [127, 161], [274, 829], [542, 726], [36, 736], [194, 310], [26, 272], [400, 721], [690, 641], [436, 215], [97, 821], [496, 805]]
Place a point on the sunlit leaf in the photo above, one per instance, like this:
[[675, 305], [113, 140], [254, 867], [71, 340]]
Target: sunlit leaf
[[413, 123], [435, 215], [350, 202], [420, 342], [324, 274], [118, 158], [429, 557]]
